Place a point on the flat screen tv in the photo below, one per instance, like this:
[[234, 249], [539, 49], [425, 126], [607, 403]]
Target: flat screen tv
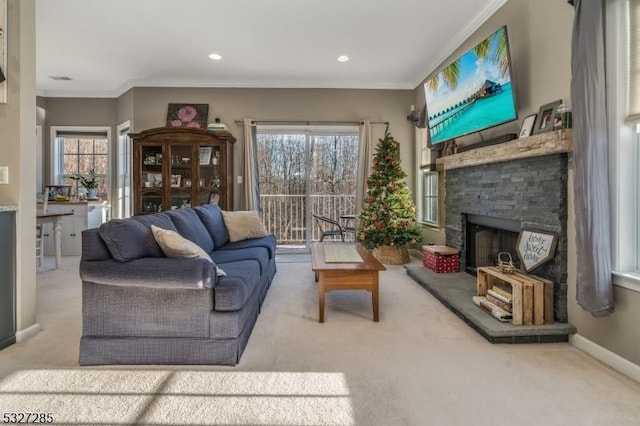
[[473, 93]]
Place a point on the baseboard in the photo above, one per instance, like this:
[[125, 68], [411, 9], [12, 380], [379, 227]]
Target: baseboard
[[607, 357], [28, 332]]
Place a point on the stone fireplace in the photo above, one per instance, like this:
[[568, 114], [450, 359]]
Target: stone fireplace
[[494, 192]]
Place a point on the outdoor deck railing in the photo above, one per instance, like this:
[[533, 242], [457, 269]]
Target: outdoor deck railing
[[285, 216]]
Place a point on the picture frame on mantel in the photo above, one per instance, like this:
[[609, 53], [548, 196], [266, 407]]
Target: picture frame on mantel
[[545, 117], [527, 126], [3, 52]]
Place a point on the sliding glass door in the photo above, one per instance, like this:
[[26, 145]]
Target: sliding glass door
[[306, 172]]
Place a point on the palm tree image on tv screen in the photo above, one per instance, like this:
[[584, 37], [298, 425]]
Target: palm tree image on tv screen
[[473, 93]]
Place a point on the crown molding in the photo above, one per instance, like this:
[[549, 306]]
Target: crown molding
[[225, 84]]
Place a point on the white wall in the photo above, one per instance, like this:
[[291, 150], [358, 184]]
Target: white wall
[[17, 150]]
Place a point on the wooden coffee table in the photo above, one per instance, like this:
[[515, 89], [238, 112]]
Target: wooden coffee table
[[346, 276]]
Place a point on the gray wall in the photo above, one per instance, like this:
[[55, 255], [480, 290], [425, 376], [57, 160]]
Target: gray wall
[[76, 112], [150, 110], [540, 42], [125, 107], [147, 108]]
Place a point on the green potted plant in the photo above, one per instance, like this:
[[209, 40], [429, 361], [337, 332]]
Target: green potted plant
[[90, 183]]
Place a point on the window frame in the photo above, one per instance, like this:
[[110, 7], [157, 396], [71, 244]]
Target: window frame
[[433, 175], [421, 143], [56, 155]]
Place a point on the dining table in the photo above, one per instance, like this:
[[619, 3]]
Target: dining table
[[56, 219]]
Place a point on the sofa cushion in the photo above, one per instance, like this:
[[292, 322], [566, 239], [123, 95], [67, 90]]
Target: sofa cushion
[[259, 254], [232, 292], [269, 242], [129, 239], [93, 246], [161, 220], [242, 225], [188, 225], [211, 217]]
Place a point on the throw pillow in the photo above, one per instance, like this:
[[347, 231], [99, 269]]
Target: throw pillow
[[242, 225], [128, 239], [175, 245]]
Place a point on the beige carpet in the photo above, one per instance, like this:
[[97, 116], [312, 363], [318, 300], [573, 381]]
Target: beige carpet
[[420, 365]]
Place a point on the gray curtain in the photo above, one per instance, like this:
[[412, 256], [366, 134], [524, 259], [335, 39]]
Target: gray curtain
[[250, 167], [364, 158], [594, 291]]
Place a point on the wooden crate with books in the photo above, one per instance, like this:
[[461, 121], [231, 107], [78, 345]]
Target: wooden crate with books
[[524, 304]]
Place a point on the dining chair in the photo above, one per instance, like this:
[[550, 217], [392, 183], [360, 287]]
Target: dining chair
[[39, 248]]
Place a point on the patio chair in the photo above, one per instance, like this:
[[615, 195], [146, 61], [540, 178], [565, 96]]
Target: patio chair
[[329, 227], [350, 219]]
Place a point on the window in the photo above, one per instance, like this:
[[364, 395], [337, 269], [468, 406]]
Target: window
[[428, 202], [123, 172], [429, 210], [80, 150], [623, 105]]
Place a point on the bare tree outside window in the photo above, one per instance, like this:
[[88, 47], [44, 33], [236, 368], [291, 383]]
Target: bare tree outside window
[[80, 156]]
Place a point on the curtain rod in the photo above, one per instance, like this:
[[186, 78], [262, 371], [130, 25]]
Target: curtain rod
[[308, 123]]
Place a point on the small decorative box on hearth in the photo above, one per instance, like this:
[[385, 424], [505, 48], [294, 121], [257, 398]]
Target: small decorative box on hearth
[[441, 259]]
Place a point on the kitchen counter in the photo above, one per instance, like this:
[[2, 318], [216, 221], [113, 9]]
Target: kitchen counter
[[73, 202]]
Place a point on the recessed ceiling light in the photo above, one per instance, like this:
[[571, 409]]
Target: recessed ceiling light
[[214, 56], [343, 58]]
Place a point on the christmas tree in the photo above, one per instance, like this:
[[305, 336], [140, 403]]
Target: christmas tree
[[388, 215]]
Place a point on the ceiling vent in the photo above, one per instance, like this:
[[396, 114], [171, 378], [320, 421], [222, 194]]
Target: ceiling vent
[[60, 77]]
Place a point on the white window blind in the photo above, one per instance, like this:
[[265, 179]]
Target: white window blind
[[634, 61]]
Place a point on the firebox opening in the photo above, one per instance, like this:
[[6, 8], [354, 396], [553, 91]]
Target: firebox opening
[[488, 236]]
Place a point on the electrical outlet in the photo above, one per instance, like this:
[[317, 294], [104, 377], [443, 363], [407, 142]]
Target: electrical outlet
[[239, 180], [4, 175]]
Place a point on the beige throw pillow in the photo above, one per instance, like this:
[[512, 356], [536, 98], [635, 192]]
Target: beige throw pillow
[[175, 245], [242, 225]]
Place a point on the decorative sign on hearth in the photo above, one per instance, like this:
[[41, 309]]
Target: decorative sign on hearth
[[535, 248]]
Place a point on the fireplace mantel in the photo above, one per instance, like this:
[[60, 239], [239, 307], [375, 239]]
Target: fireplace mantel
[[548, 143]]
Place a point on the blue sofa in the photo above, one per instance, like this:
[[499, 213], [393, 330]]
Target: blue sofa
[[141, 307]]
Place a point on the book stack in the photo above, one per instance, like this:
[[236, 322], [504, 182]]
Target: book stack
[[217, 125], [497, 303]]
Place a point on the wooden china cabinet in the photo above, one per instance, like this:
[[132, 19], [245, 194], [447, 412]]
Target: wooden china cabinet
[[181, 167]]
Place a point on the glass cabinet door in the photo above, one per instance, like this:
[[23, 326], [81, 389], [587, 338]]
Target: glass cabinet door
[[151, 192], [181, 176], [210, 172]]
